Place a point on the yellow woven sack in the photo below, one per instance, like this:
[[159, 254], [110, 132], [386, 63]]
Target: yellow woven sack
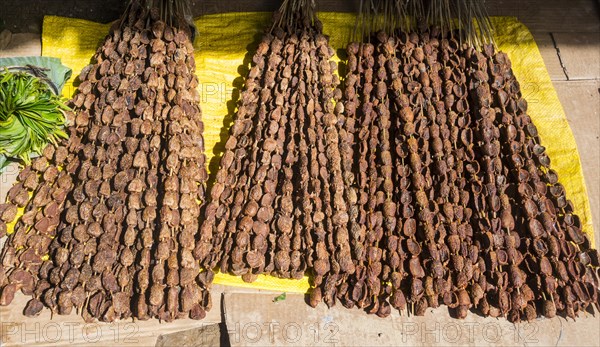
[[224, 40]]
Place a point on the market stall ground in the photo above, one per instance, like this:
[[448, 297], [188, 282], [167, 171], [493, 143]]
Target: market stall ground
[[568, 39]]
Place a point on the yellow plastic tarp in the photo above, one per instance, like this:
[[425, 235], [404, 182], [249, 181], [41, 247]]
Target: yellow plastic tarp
[[222, 58]]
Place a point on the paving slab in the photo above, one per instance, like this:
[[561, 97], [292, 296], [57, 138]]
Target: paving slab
[[7, 178], [580, 54], [253, 319], [548, 51], [5, 37], [23, 45], [581, 102], [550, 15]]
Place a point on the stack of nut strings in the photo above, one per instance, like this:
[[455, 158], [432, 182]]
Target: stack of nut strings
[[456, 201], [111, 214], [279, 204]]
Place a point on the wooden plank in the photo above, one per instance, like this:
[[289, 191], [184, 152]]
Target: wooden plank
[[548, 50], [580, 54], [581, 102], [209, 335]]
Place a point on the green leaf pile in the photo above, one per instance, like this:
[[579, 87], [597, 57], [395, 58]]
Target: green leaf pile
[[31, 115]]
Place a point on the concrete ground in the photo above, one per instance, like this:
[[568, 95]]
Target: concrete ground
[[568, 35]]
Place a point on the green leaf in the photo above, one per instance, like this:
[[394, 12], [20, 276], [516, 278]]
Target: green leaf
[[280, 297]]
